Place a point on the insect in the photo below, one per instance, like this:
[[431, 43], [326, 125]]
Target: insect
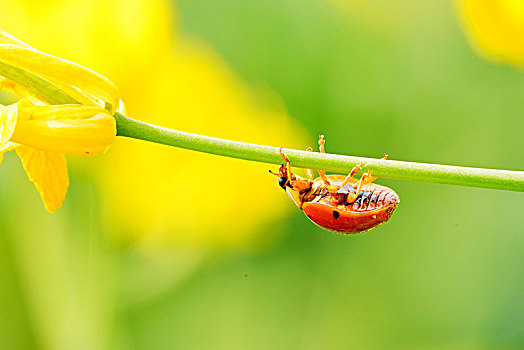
[[339, 203]]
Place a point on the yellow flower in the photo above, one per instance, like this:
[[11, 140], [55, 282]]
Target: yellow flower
[[157, 196], [86, 86], [41, 133], [495, 28]]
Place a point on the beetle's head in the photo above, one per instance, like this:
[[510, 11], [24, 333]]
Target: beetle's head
[[283, 182], [296, 189], [294, 183], [283, 179]]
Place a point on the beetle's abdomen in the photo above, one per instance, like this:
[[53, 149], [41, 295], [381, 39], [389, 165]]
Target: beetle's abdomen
[[375, 199], [373, 206]]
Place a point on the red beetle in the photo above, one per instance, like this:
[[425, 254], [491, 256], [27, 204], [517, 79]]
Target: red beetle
[[339, 203]]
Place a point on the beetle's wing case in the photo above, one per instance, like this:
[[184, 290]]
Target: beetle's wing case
[[295, 196], [334, 219], [373, 206]]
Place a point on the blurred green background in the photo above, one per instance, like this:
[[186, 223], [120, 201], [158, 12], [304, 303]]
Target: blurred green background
[[375, 77]]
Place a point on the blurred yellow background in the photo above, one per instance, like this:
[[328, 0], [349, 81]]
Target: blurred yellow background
[[159, 248]]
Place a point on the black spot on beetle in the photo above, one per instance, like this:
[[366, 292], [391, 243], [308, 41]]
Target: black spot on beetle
[[336, 214]]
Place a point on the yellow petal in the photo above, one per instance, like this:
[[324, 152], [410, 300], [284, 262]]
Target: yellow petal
[[28, 110], [6, 38], [8, 147], [65, 74], [212, 99], [495, 28], [6, 84], [48, 171], [68, 129], [8, 116]]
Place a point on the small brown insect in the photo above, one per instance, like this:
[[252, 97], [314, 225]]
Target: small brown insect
[[339, 203]]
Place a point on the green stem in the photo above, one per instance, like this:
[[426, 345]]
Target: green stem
[[444, 174]]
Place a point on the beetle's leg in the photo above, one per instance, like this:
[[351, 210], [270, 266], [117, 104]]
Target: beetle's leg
[[288, 164], [370, 178], [322, 173], [321, 144], [350, 176], [359, 187], [309, 172], [363, 180]]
